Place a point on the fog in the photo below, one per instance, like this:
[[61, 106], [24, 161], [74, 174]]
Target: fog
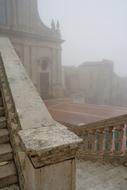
[[92, 29]]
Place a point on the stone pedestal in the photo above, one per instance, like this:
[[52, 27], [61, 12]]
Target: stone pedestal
[[50, 158], [60, 176]]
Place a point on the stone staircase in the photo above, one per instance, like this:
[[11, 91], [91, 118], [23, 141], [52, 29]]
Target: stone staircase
[[8, 173], [100, 176]]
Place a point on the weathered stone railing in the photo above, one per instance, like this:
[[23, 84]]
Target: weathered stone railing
[[44, 150], [105, 140]]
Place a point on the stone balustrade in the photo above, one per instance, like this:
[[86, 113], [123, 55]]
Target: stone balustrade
[[44, 150], [108, 143]]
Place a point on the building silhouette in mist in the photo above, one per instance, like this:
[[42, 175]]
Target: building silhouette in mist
[[96, 83]]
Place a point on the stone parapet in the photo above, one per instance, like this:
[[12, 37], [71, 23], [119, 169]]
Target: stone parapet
[[39, 142], [49, 145], [104, 142]]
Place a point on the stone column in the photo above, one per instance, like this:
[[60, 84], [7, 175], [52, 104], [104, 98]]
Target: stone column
[[14, 14], [56, 73], [59, 66], [54, 76]]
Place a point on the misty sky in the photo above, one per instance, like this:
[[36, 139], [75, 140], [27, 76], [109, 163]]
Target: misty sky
[[93, 29]]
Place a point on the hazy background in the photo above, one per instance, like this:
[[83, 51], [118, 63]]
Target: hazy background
[[93, 29]]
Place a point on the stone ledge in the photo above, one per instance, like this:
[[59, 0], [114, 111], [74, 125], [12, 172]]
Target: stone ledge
[[44, 140], [49, 145]]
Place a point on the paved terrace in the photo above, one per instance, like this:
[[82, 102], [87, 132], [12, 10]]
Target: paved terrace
[[98, 176], [65, 111]]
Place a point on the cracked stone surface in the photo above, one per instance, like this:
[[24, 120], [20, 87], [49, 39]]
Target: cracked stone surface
[[47, 138]]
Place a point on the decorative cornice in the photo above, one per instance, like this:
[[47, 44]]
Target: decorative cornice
[[28, 35]]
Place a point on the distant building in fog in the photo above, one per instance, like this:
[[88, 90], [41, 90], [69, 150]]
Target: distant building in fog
[[119, 90], [38, 46], [96, 83]]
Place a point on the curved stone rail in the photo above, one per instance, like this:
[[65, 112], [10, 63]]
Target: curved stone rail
[[44, 150]]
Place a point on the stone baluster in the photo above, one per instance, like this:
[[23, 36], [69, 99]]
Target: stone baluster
[[124, 140], [85, 141], [113, 140], [91, 140], [120, 138], [105, 140], [97, 141]]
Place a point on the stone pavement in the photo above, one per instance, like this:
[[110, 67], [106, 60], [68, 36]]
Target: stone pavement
[[98, 176]]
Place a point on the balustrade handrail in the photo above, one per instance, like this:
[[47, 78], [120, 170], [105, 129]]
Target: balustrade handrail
[[106, 140], [113, 121]]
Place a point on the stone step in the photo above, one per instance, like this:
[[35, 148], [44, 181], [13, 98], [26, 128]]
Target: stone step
[[4, 136], [2, 112], [7, 174], [5, 152], [12, 187], [2, 122]]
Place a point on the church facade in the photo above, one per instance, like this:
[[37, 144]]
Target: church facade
[[38, 46]]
